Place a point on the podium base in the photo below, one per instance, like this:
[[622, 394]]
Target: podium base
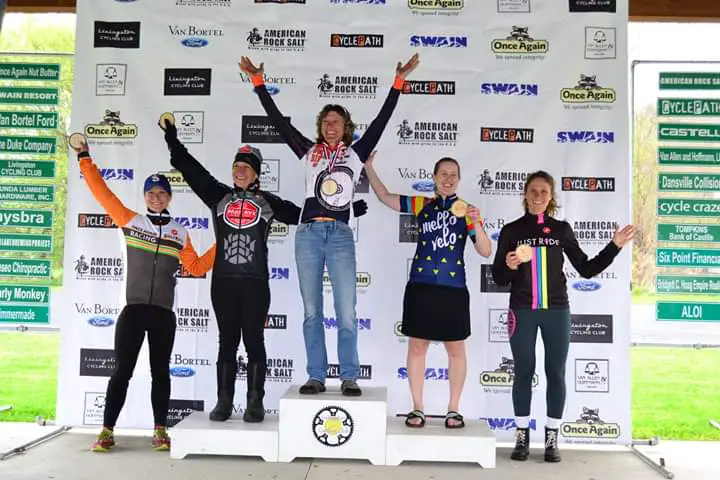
[[196, 434], [475, 443]]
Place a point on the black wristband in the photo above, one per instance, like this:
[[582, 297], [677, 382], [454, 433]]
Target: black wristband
[[83, 155]]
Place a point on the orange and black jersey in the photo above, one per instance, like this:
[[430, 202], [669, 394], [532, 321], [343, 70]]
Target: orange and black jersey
[[155, 245]]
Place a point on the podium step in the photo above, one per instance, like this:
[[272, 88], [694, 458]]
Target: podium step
[[330, 425], [475, 443], [196, 434]]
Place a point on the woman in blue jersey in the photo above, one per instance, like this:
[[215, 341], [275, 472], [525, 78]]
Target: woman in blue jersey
[[436, 304], [530, 259], [332, 168]]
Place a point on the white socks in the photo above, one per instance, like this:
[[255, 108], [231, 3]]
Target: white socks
[[553, 423], [522, 422]]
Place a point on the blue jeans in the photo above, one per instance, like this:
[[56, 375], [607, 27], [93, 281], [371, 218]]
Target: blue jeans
[[318, 244]]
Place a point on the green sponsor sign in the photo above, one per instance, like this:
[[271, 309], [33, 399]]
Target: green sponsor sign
[[689, 81], [25, 294], [687, 311], [681, 207], [687, 232], [688, 156], [24, 314], [689, 132], [700, 285], [28, 96], [36, 120], [15, 217], [25, 243], [687, 257], [688, 182], [688, 107], [21, 267], [27, 169], [29, 71], [36, 145], [27, 193]]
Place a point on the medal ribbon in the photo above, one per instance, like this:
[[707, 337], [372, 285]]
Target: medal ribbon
[[333, 156]]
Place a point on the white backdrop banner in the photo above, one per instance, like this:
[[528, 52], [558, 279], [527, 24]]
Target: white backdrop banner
[[506, 87]]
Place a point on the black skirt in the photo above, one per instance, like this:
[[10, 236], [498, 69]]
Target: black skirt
[[436, 312]]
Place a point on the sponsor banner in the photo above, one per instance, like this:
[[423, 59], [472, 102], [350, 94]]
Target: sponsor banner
[[487, 101], [27, 193], [27, 169], [30, 71], [697, 285], [689, 81]]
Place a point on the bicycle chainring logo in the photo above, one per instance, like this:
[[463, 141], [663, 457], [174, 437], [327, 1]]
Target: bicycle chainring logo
[[333, 426]]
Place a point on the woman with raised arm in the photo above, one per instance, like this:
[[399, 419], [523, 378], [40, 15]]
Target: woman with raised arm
[[240, 290], [530, 259], [156, 246], [332, 168], [436, 303]]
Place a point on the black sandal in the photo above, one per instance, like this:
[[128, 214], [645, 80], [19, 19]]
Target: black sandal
[[415, 414], [454, 416], [312, 387]]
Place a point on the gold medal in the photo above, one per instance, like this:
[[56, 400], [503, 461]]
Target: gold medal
[[524, 253], [459, 208], [166, 116], [329, 187], [77, 140]]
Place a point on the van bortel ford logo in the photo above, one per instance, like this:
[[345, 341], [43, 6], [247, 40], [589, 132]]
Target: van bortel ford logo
[[101, 321], [586, 286], [272, 89], [182, 372], [424, 186], [194, 42]]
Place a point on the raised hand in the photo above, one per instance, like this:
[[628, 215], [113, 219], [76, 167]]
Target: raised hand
[[624, 235], [247, 66], [403, 71]]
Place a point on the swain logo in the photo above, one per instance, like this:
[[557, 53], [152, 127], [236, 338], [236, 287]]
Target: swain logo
[[589, 426], [519, 89], [276, 40], [588, 94], [506, 424], [280, 273], [347, 86], [519, 44], [430, 374], [357, 40], [438, 41], [333, 324], [194, 223], [116, 174], [436, 7], [111, 130], [585, 136], [428, 87], [435, 134]]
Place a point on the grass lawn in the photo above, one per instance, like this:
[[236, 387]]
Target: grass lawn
[[675, 390]]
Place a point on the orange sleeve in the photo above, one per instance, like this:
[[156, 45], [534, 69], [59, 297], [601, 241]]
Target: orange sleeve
[[120, 214], [257, 80], [398, 83], [197, 266]]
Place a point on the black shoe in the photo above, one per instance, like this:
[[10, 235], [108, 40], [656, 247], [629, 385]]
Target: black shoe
[[254, 409], [226, 373], [350, 388], [552, 453], [522, 444]]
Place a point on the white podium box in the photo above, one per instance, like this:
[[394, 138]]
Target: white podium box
[[330, 425], [196, 434], [475, 443]]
